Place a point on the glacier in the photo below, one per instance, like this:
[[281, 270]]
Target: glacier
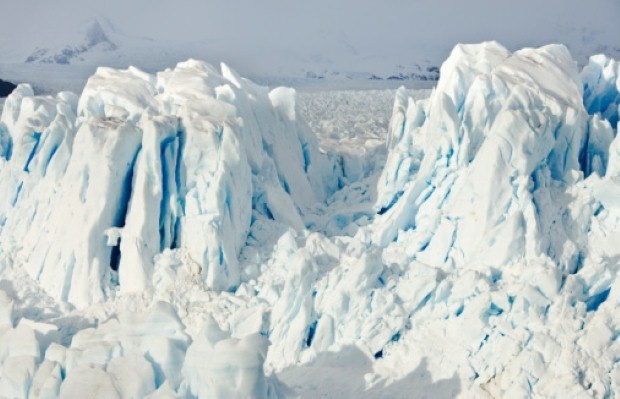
[[188, 229], [142, 163]]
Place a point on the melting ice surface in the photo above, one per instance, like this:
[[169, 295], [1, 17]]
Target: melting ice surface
[[183, 235]]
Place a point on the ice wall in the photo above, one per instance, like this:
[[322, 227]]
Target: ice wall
[[93, 189], [499, 200], [471, 166]]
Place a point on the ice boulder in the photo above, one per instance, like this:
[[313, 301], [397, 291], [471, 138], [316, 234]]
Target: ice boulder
[[94, 188], [218, 366], [132, 354], [149, 345], [20, 359]]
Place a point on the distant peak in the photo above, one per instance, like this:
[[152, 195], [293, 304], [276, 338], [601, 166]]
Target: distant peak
[[95, 34], [91, 35]]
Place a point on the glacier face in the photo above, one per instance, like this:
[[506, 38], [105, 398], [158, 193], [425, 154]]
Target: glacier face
[[501, 181], [499, 129], [185, 228], [142, 163]]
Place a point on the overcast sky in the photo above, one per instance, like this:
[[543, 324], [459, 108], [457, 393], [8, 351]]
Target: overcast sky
[[344, 33]]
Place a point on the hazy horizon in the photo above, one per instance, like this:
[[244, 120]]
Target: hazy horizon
[[275, 36]]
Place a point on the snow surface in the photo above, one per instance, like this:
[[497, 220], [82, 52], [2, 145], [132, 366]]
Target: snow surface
[[186, 229]]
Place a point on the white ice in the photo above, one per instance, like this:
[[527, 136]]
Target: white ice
[[186, 228]]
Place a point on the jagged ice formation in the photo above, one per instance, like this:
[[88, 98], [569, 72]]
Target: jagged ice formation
[[142, 163], [204, 242]]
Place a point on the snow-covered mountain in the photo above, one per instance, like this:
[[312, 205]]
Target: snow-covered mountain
[[185, 229], [94, 39]]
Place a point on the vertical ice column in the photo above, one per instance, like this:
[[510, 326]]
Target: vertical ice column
[[140, 237], [601, 88], [218, 202], [71, 257]]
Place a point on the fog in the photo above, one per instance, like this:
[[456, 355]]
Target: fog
[[258, 36]]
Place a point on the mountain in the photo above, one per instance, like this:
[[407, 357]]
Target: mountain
[[318, 44], [94, 39]]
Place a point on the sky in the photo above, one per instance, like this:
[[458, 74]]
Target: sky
[[271, 36]]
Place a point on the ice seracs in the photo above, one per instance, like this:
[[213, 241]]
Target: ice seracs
[[601, 80], [461, 168], [496, 182], [194, 224], [235, 368], [174, 160]]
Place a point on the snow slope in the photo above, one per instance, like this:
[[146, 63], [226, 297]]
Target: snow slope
[[186, 228], [95, 39]]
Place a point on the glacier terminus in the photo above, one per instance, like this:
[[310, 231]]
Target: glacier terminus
[[187, 234]]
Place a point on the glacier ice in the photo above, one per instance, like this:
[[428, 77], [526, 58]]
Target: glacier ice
[[186, 229], [601, 87], [234, 369], [177, 160], [486, 182], [481, 139]]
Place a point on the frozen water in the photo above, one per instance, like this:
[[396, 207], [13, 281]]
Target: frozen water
[[177, 160], [186, 228]]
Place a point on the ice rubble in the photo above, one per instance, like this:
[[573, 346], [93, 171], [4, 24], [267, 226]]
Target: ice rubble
[[202, 203], [132, 355]]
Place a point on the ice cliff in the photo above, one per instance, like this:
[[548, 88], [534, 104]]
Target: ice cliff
[[502, 182], [141, 163], [472, 169]]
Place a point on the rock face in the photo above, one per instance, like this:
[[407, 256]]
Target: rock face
[[141, 163], [6, 88]]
